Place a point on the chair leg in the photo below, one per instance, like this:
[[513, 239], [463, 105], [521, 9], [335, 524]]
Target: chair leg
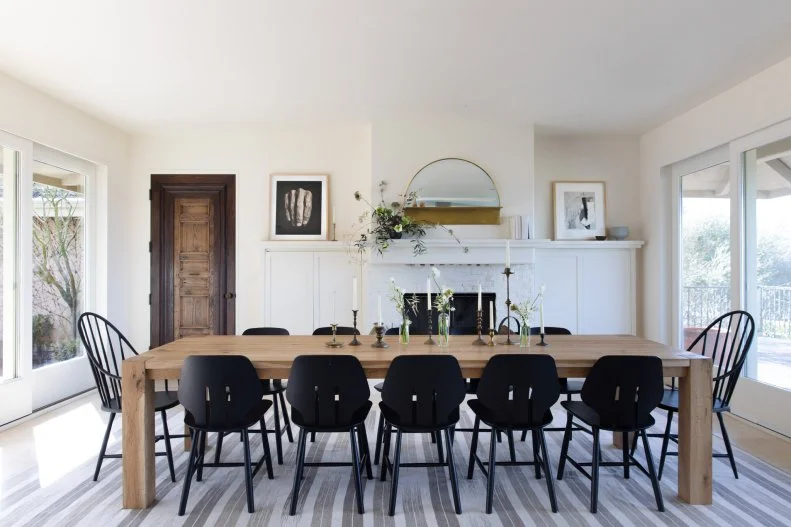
[[185, 491], [625, 453], [267, 452], [286, 420], [394, 482], [379, 432], [454, 485], [385, 453], [492, 466], [433, 437], [524, 435], [473, 447], [298, 471], [548, 471], [595, 471], [218, 451], [511, 449], [313, 437], [536, 446], [649, 460], [665, 442], [362, 439], [728, 448], [278, 439], [202, 455], [104, 447], [358, 486], [168, 450], [564, 449], [248, 472], [440, 454], [634, 444]]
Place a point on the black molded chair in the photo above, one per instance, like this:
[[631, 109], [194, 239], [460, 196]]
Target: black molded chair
[[421, 394], [222, 393], [276, 388], [340, 330], [329, 393], [515, 392], [727, 341], [106, 347], [619, 395], [395, 330]]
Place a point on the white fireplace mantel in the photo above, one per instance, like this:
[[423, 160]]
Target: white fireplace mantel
[[591, 285]]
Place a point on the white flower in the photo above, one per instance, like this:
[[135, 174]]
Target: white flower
[[543, 288], [435, 272], [392, 280]]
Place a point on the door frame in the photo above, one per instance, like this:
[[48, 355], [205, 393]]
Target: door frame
[[163, 188]]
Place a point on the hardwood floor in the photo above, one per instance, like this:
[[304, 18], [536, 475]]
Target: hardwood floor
[[76, 427]]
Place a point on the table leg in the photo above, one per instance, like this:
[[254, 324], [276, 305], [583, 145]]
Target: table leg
[[694, 434], [617, 439], [138, 435]]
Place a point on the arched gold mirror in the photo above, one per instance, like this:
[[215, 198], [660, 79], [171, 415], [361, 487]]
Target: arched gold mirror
[[454, 192]]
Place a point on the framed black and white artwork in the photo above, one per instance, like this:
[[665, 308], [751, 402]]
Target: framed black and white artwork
[[579, 209], [299, 207]]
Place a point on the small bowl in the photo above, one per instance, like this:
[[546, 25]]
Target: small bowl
[[601, 238], [618, 233]]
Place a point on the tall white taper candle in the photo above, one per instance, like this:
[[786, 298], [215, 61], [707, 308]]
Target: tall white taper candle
[[480, 300], [508, 254], [428, 293], [491, 314], [354, 293], [379, 312]]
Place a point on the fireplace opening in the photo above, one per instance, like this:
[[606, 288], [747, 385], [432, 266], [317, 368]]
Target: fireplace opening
[[462, 318]]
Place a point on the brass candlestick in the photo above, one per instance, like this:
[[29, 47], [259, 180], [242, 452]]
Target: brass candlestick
[[430, 341], [354, 341], [508, 273], [478, 328], [491, 338], [380, 331], [334, 343], [542, 343]]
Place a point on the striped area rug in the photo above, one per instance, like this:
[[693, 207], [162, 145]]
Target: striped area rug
[[759, 497]]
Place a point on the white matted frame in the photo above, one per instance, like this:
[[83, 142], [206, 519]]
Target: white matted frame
[[299, 207], [579, 209]]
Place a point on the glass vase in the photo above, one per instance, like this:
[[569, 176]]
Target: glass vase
[[524, 335], [403, 333], [443, 329]]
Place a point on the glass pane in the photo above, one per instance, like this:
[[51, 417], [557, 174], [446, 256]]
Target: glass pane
[[705, 248], [9, 172], [768, 260], [58, 262]]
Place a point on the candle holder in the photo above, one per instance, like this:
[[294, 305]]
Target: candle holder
[[333, 232], [508, 273], [354, 341], [429, 341], [380, 331], [478, 328], [542, 343], [334, 342], [491, 338]]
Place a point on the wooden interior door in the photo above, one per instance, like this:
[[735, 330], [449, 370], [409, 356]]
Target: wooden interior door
[[192, 256]]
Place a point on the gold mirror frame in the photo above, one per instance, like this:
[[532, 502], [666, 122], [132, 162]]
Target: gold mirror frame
[[455, 215]]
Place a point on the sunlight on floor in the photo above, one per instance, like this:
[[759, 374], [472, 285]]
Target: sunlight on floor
[[64, 442]]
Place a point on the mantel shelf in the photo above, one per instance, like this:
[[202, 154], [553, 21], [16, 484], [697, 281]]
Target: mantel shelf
[[471, 243]]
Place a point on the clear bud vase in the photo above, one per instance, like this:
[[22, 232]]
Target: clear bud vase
[[403, 333], [443, 329], [524, 334]]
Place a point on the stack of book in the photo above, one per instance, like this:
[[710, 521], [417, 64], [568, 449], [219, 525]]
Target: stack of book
[[520, 228]]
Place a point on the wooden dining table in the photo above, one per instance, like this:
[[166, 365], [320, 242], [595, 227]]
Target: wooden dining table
[[272, 357]]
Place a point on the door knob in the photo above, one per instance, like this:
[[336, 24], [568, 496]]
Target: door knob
[[229, 295]]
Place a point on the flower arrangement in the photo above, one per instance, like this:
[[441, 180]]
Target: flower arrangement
[[525, 309], [384, 223], [402, 304], [443, 299]]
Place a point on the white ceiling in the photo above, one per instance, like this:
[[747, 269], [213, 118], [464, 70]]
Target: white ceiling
[[566, 65]]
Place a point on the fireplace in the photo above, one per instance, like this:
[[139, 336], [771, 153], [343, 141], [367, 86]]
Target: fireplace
[[462, 318]]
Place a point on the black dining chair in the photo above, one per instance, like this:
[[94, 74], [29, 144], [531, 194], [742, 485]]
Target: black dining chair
[[276, 388], [568, 387], [339, 330], [222, 394], [329, 393], [395, 330], [421, 394], [515, 392], [618, 395], [106, 348], [726, 341]]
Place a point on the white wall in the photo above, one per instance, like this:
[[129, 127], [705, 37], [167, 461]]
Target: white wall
[[754, 104], [401, 147], [612, 159], [252, 153]]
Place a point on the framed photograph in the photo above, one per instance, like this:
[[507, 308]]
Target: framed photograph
[[579, 209], [299, 207]]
